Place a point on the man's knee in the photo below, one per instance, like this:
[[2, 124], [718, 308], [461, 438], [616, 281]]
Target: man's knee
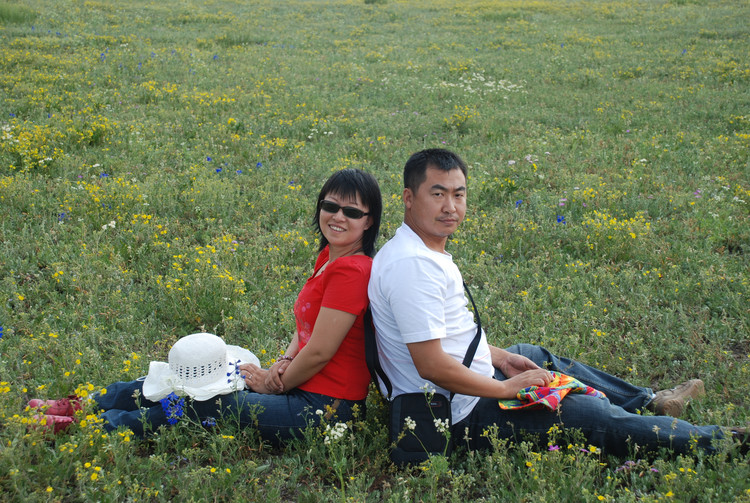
[[530, 351]]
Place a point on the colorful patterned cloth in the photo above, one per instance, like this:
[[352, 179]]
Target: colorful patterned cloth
[[537, 397]]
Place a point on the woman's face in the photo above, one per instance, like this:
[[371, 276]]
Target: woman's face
[[344, 234]]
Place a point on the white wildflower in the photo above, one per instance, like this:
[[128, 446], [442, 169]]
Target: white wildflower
[[441, 426], [410, 423], [334, 433]]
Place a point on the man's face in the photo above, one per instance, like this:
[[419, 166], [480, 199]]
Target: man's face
[[437, 207]]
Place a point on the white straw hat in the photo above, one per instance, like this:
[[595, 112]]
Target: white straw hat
[[200, 366]]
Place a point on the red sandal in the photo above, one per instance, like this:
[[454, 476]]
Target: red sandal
[[50, 423], [62, 407]]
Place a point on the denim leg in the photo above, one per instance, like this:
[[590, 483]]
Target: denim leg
[[138, 421], [285, 416], [124, 405], [276, 417], [620, 392], [121, 395], [602, 423]]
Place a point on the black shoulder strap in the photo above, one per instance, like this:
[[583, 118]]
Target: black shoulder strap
[[371, 354], [475, 342], [371, 348]]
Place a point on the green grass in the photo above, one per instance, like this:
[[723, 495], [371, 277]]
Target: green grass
[[11, 12], [158, 163]]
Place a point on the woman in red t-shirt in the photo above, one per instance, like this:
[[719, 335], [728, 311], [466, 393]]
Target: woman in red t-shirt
[[326, 354], [323, 371]]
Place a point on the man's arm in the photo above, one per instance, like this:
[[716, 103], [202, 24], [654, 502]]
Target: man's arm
[[435, 365]]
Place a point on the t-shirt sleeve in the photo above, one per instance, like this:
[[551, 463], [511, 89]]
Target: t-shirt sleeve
[[346, 284], [417, 299]]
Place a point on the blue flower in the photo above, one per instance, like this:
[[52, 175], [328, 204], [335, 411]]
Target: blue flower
[[173, 407], [239, 171], [103, 175], [208, 159], [259, 165], [561, 220], [209, 422], [236, 371], [1, 331], [518, 203], [218, 170]]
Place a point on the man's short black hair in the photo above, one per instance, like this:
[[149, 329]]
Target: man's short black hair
[[440, 158]]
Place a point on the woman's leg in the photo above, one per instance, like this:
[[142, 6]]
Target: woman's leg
[[123, 395], [278, 417]]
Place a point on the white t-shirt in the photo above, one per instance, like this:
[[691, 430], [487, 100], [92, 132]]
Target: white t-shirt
[[416, 294]]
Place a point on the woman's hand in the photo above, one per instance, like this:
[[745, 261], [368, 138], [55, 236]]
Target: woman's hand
[[255, 379], [273, 377]]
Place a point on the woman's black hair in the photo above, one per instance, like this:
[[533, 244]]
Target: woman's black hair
[[352, 182]]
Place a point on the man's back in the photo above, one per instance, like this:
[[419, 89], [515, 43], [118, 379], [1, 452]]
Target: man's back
[[416, 294]]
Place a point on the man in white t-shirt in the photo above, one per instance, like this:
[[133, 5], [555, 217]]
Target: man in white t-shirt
[[424, 328]]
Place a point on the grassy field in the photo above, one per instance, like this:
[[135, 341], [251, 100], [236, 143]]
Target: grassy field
[[158, 165]]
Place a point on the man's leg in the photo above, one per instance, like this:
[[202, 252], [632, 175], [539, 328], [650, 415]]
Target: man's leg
[[602, 423], [620, 392]]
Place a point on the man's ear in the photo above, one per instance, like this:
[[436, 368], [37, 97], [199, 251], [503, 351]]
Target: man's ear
[[408, 197]]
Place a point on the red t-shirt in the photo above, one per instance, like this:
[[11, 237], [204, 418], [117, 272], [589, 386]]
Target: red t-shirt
[[341, 286]]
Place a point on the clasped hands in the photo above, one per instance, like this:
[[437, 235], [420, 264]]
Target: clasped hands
[[265, 381]]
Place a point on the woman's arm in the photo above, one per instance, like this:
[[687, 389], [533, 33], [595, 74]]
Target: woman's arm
[[331, 327], [273, 376]]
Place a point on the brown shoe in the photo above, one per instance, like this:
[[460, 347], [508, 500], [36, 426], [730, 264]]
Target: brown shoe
[[671, 402], [742, 435]]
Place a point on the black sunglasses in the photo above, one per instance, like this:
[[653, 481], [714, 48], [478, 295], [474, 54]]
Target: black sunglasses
[[349, 212]]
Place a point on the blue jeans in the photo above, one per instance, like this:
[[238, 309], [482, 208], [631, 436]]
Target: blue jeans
[[276, 417], [611, 424]]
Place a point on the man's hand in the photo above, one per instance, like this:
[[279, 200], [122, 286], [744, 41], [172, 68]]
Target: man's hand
[[511, 364], [536, 377]]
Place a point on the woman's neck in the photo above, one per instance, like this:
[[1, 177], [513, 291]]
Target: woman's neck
[[335, 252]]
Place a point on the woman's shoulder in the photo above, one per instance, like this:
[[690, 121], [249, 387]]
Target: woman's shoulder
[[352, 263]]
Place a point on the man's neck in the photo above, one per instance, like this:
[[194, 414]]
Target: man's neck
[[431, 242]]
